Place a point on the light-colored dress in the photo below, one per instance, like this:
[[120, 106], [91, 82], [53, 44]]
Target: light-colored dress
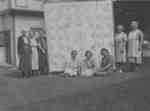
[[72, 67], [35, 59], [135, 40], [88, 67], [120, 46]]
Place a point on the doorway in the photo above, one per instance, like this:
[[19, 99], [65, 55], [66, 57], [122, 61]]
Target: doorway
[[127, 11], [5, 47]]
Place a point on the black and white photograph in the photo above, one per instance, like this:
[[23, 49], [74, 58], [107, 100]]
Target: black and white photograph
[[74, 55]]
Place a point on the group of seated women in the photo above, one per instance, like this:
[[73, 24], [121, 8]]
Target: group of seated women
[[87, 67]]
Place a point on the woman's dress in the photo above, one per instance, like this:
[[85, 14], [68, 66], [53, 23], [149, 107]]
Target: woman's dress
[[135, 40], [35, 57], [25, 56], [72, 67], [43, 55], [88, 67], [120, 46]]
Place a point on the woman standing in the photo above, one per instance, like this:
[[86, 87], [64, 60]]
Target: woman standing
[[24, 52], [135, 41], [34, 46], [42, 52], [120, 45]]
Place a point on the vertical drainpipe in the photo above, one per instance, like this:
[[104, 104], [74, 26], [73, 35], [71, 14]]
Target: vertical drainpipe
[[113, 14], [13, 41], [12, 35]]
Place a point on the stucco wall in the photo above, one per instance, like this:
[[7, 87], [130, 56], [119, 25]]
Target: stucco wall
[[35, 5], [3, 4], [78, 25], [25, 23]]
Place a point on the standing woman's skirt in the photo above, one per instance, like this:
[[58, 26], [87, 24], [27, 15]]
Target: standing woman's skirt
[[35, 59]]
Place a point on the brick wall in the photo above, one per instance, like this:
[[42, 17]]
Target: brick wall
[[78, 25]]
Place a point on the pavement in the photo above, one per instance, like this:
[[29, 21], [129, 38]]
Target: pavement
[[115, 92]]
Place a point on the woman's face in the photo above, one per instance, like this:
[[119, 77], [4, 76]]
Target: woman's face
[[89, 55], [37, 35], [104, 53], [119, 28], [30, 34], [74, 54], [23, 33], [42, 33], [134, 25]]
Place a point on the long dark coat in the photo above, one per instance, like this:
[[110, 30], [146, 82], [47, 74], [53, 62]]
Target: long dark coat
[[24, 52], [43, 57]]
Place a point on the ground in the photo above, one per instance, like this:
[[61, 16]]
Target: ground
[[115, 92]]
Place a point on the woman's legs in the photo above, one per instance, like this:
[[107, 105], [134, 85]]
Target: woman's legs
[[119, 66], [35, 72]]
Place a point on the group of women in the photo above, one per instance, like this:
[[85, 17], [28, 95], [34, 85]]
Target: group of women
[[128, 47], [32, 51], [128, 51], [88, 67]]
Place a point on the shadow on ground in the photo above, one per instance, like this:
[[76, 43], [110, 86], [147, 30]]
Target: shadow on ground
[[132, 95]]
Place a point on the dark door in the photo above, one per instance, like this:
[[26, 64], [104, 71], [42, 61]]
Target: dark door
[[5, 47]]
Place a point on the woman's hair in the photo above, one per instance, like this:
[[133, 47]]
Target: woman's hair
[[120, 26], [88, 52], [74, 52], [104, 49]]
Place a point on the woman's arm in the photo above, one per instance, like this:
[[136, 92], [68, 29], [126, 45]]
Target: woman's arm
[[141, 37], [105, 68]]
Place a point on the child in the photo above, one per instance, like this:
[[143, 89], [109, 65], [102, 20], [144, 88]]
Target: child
[[72, 67], [107, 63], [88, 65], [120, 46]]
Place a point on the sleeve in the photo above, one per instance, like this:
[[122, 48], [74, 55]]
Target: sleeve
[[19, 45], [141, 36], [44, 43], [125, 37], [125, 40]]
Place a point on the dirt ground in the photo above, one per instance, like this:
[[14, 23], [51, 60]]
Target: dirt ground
[[115, 92]]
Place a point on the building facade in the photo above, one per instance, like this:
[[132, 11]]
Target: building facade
[[17, 15]]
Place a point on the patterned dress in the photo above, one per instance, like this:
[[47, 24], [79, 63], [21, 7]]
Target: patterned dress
[[120, 42], [135, 40], [72, 67], [88, 67]]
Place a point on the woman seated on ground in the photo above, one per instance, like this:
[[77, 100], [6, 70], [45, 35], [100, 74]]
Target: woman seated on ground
[[72, 67], [107, 63], [88, 66]]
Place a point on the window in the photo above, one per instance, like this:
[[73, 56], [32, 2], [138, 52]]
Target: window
[[21, 3]]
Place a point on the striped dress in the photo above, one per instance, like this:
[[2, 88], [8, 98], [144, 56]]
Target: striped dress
[[135, 40], [120, 42]]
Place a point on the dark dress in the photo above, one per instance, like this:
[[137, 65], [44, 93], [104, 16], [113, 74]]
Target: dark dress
[[43, 55], [106, 61], [24, 52]]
